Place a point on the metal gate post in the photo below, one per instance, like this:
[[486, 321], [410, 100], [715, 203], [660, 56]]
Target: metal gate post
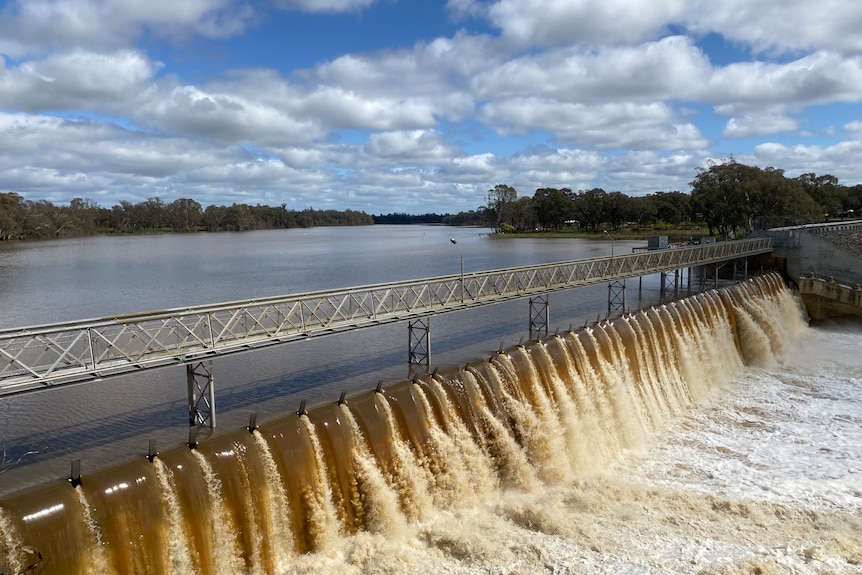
[[419, 341], [616, 298], [539, 316], [199, 378]]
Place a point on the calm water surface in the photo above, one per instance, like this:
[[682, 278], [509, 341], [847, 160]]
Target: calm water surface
[[103, 423]]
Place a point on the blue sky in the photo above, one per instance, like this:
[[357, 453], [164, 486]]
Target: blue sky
[[404, 106]]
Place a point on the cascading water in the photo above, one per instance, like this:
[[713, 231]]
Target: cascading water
[[538, 418]]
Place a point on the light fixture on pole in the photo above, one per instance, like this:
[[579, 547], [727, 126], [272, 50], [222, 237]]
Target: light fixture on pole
[[612, 242], [455, 243]]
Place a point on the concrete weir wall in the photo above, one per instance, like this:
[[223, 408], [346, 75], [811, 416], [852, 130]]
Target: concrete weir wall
[[825, 260], [826, 298]]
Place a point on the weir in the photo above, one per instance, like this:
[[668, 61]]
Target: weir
[[541, 414]]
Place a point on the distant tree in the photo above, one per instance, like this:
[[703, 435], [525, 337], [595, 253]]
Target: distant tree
[[825, 190], [552, 207], [523, 214], [185, 215], [500, 199], [672, 207], [590, 208], [618, 209], [643, 209], [734, 197], [13, 212]]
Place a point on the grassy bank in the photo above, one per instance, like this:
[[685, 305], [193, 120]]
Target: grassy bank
[[674, 235]]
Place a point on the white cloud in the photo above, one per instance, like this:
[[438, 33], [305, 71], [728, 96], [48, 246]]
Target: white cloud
[[854, 129], [840, 160], [350, 110], [224, 117], [324, 5], [76, 79], [613, 125], [554, 22], [668, 68], [820, 78], [414, 147], [582, 94], [31, 26], [759, 125], [786, 26]]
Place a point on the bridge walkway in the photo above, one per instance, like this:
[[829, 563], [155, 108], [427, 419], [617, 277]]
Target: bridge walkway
[[43, 357]]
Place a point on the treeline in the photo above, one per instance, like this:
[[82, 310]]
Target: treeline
[[471, 218], [730, 198], [23, 219]]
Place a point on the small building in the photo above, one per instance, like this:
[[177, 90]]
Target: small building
[[657, 243]]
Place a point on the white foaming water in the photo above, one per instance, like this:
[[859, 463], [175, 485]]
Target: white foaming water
[[763, 476]]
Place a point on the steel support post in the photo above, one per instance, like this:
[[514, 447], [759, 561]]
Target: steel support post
[[419, 341], [669, 283], [201, 394], [740, 269], [539, 316], [616, 298]]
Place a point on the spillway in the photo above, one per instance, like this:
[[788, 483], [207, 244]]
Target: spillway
[[529, 418]]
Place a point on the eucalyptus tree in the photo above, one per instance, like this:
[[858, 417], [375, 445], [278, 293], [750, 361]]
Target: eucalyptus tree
[[500, 200], [553, 207]]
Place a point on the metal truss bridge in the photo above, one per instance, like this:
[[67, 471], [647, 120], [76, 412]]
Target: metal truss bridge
[[47, 356]]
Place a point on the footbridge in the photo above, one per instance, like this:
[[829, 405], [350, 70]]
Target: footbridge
[[44, 357]]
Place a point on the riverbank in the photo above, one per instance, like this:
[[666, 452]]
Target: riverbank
[[675, 235]]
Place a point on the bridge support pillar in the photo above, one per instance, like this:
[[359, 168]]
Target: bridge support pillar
[[539, 316], [199, 378], [616, 298], [740, 269], [419, 341], [670, 283]]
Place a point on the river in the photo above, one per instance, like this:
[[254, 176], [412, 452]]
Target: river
[[758, 473], [55, 281]]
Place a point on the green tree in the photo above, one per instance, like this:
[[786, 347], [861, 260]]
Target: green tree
[[13, 211], [500, 199], [185, 214], [590, 208], [825, 190], [553, 207], [672, 207], [733, 197]]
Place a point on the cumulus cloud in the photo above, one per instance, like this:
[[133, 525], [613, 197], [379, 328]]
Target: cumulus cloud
[[753, 125], [622, 94], [554, 22], [612, 125], [76, 79], [324, 5], [32, 26], [665, 69], [822, 77], [787, 26]]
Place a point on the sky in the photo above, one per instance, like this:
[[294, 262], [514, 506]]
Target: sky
[[417, 106]]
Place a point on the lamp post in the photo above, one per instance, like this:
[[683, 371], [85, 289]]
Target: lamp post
[[462, 266], [612, 242]]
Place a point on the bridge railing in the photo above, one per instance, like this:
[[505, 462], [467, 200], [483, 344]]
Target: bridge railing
[[41, 357]]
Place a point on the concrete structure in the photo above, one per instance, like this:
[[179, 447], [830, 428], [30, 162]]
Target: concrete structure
[[825, 261], [826, 298]]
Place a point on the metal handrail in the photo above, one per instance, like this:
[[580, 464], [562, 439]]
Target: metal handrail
[[45, 356]]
